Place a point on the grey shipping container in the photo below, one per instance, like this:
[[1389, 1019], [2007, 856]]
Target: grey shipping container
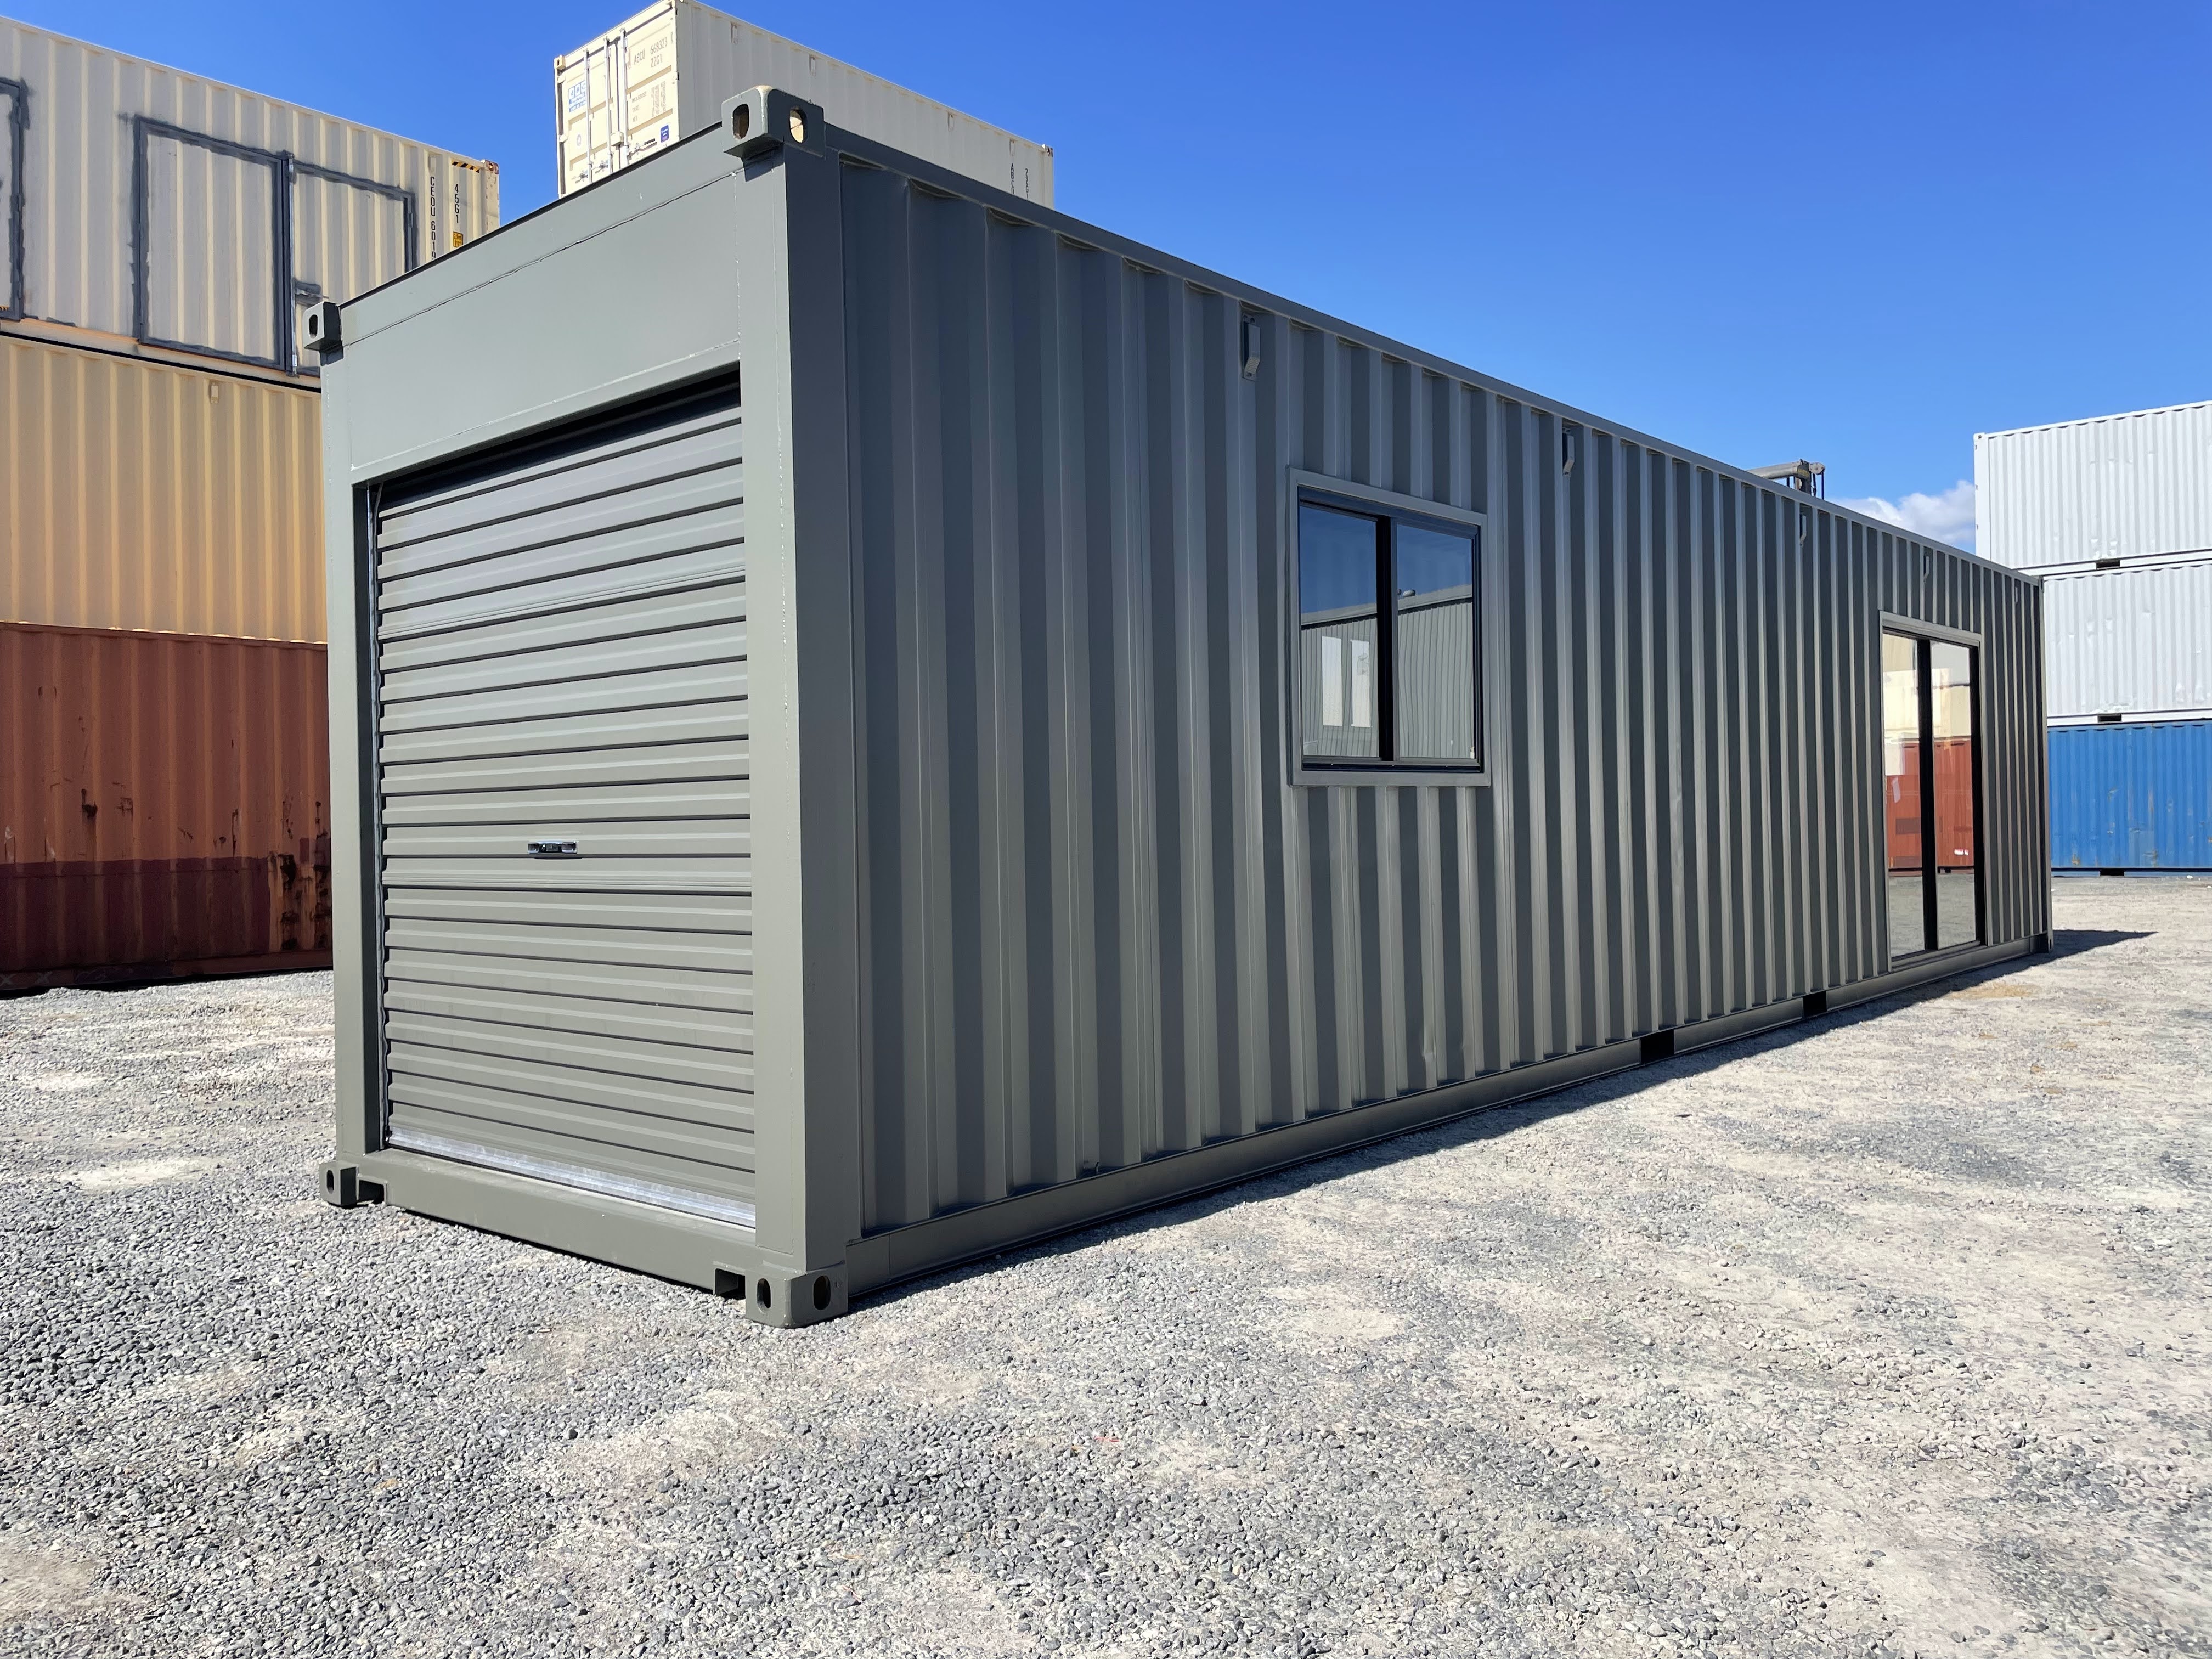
[[791, 841]]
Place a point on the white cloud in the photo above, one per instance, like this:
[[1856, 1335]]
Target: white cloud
[[1948, 517]]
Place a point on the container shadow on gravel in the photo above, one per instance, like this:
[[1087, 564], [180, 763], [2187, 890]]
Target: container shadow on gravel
[[1486, 1123], [2074, 941]]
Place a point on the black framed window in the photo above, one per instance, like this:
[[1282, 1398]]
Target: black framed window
[[1389, 658]]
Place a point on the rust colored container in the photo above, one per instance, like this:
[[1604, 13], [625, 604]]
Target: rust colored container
[[164, 805]]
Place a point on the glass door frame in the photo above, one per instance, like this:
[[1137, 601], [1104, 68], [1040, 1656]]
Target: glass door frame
[[1925, 633]]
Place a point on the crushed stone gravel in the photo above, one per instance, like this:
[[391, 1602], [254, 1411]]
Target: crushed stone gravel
[[1885, 1335]]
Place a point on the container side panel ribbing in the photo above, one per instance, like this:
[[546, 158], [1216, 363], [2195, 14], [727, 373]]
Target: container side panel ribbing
[[1101, 921]]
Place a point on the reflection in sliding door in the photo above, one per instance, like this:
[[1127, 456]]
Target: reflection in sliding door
[[1951, 707], [1928, 793], [1900, 793]]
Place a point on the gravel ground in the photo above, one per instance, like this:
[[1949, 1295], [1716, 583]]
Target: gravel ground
[[1884, 1335]]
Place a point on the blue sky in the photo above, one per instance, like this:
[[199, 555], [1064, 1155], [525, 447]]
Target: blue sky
[[1857, 233]]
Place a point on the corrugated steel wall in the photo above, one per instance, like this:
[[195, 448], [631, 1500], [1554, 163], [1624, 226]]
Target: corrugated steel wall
[[1096, 923], [210, 213], [2136, 640], [2132, 797], [162, 801], [2119, 487], [134, 495]]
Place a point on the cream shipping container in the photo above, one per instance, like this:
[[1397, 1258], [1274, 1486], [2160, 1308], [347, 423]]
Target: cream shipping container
[[665, 74], [1068, 730], [157, 209]]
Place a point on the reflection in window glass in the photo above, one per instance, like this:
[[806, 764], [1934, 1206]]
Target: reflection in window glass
[[1951, 672], [1901, 792], [1339, 603], [1434, 590]]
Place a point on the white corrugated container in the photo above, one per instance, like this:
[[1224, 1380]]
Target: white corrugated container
[[156, 207], [2133, 641], [665, 74], [2128, 486]]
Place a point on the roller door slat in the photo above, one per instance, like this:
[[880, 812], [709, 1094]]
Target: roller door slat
[[552, 598], [721, 640], [664, 762], [563, 648], [701, 992], [618, 464], [660, 687], [572, 1085], [720, 797], [624, 728], [621, 1057], [521, 642], [681, 919], [722, 1148]]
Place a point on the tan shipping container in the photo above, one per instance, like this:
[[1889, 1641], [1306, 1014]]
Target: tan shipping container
[[136, 494]]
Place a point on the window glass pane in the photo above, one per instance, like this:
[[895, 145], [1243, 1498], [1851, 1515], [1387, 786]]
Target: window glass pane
[[1338, 602], [1951, 671], [1434, 579], [1901, 792]]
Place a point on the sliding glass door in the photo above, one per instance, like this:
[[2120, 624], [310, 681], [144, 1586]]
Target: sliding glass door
[[1928, 796]]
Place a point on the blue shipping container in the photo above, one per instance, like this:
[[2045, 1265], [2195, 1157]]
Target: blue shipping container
[[2132, 796]]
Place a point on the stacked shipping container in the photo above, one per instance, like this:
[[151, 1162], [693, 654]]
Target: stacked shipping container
[[655, 78], [163, 733], [2115, 514]]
